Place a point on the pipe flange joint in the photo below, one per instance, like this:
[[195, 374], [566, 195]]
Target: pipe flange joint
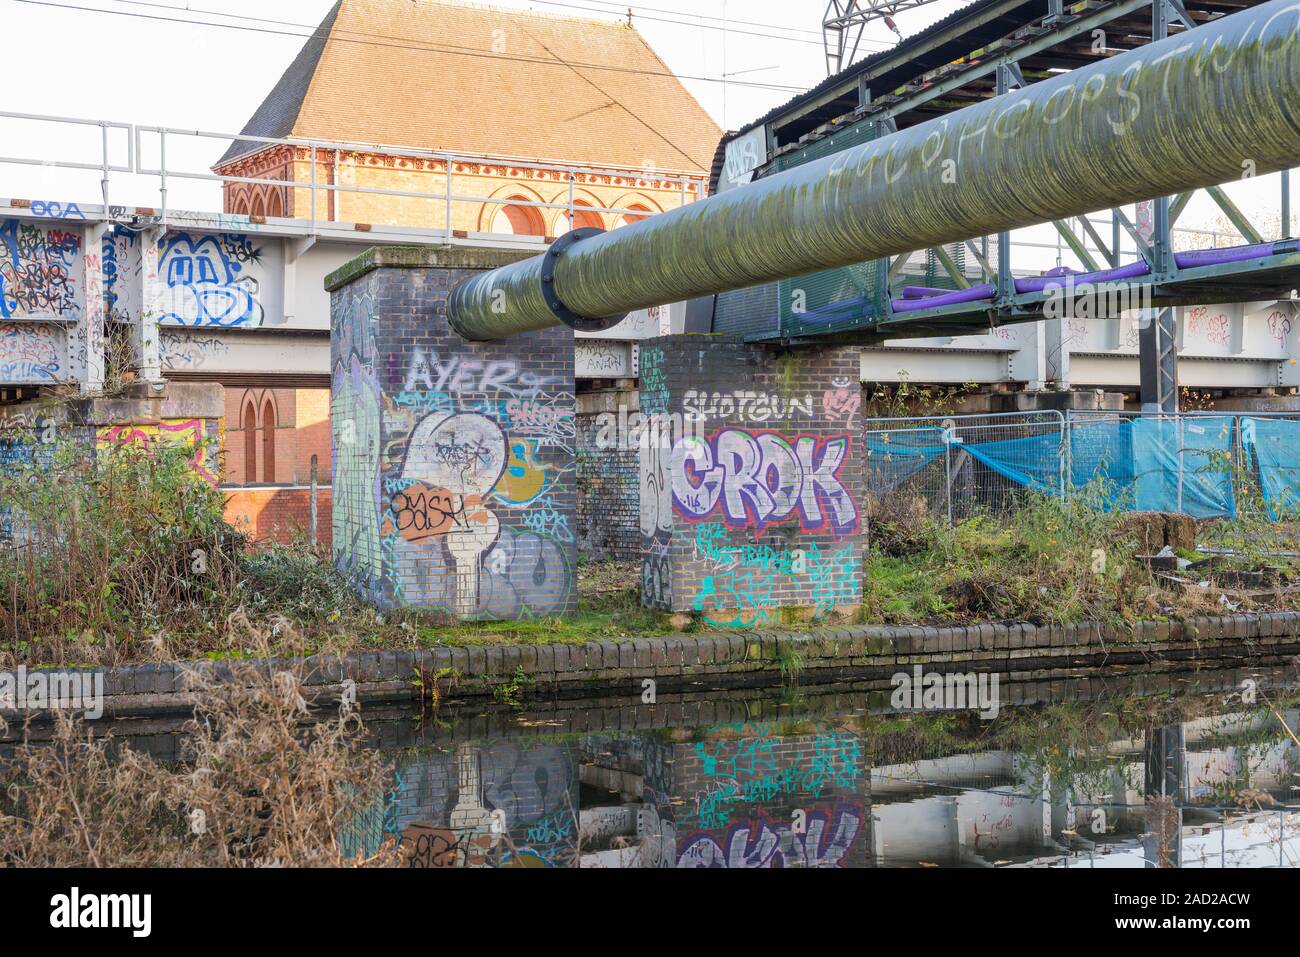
[[553, 302]]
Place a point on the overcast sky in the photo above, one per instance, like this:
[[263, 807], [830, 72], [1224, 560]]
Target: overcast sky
[[157, 63]]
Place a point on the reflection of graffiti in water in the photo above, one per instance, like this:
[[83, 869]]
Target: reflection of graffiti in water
[[750, 769], [202, 275], [825, 840], [429, 846]]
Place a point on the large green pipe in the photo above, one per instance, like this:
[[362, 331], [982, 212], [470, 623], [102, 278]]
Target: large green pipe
[[1196, 109]]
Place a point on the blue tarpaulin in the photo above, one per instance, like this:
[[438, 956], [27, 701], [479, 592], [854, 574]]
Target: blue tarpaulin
[[1158, 464], [1276, 444]]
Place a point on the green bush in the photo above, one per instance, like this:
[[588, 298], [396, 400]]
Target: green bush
[[110, 544]]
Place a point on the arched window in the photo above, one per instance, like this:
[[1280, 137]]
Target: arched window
[[638, 213], [519, 220], [583, 216], [250, 444], [259, 208], [268, 442], [274, 206]]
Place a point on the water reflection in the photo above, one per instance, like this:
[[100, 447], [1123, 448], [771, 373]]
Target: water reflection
[[827, 778], [1144, 771]]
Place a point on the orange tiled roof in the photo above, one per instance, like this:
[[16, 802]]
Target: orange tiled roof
[[439, 75]]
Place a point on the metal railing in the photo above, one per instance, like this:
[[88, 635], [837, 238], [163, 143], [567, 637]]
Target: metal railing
[[689, 186]]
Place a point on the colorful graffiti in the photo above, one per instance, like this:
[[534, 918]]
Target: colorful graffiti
[[30, 352], [755, 480], [745, 581], [120, 258], [760, 765], [824, 839], [189, 432], [451, 472], [38, 272], [485, 804], [454, 460], [210, 280], [654, 390], [841, 402]]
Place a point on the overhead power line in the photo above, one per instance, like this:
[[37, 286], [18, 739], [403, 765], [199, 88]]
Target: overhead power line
[[418, 47]]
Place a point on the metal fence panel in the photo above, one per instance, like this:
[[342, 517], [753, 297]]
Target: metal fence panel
[[1208, 464]]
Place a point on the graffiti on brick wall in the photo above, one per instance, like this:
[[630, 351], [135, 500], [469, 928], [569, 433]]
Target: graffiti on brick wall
[[749, 505], [513, 440], [192, 433], [458, 470], [356, 439], [466, 459], [654, 454], [743, 583], [746, 406], [654, 389], [755, 480], [655, 463], [841, 402], [453, 460], [210, 280], [31, 353], [38, 271]]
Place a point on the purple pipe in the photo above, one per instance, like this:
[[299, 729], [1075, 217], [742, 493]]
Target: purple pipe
[[1039, 283], [982, 291], [1215, 257]]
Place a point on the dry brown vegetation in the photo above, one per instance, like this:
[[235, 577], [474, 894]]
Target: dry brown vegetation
[[264, 783]]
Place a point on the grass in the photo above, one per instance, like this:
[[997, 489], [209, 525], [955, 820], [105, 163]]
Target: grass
[[125, 556], [1052, 561]]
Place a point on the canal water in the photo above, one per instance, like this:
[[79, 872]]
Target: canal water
[[1193, 770]]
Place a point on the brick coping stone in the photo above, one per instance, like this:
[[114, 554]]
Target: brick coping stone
[[760, 657]]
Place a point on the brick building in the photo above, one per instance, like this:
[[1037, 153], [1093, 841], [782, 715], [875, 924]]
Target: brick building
[[521, 108], [504, 92]]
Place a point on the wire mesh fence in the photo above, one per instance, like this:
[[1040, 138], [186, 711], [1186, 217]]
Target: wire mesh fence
[[963, 464], [1205, 464]]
